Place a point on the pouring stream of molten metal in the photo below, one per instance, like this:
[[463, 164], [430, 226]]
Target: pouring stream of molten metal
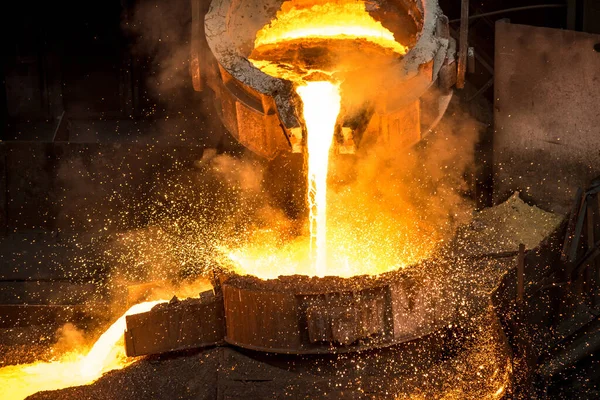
[[19, 381], [98, 358], [321, 106]]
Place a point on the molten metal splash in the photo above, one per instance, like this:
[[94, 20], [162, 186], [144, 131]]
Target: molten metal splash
[[321, 106], [75, 369], [347, 19]]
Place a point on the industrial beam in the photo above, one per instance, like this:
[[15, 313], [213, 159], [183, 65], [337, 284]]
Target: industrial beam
[[463, 44]]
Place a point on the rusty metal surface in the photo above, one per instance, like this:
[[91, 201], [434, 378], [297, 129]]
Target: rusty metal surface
[[261, 320], [198, 45], [180, 325], [343, 318], [547, 96], [262, 112], [400, 129], [249, 116], [295, 321], [406, 370]]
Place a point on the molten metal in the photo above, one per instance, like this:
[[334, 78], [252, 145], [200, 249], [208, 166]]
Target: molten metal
[[347, 19], [321, 106], [99, 357], [20, 381]]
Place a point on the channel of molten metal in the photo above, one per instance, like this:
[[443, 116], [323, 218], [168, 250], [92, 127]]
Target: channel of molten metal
[[107, 353]]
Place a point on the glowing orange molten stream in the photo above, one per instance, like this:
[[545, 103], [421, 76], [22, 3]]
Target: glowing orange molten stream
[[99, 358], [321, 106], [19, 381], [337, 20]]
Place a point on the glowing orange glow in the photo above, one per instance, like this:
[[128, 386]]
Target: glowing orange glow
[[353, 246], [321, 106], [74, 369], [499, 392], [338, 20], [353, 234], [100, 358]]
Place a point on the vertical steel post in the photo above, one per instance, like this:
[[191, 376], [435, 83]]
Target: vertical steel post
[[464, 44]]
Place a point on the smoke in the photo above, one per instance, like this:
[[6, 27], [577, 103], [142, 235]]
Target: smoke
[[398, 204], [69, 339], [388, 207], [162, 33], [425, 184]]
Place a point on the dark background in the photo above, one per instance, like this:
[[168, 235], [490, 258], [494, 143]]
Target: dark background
[[106, 59]]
